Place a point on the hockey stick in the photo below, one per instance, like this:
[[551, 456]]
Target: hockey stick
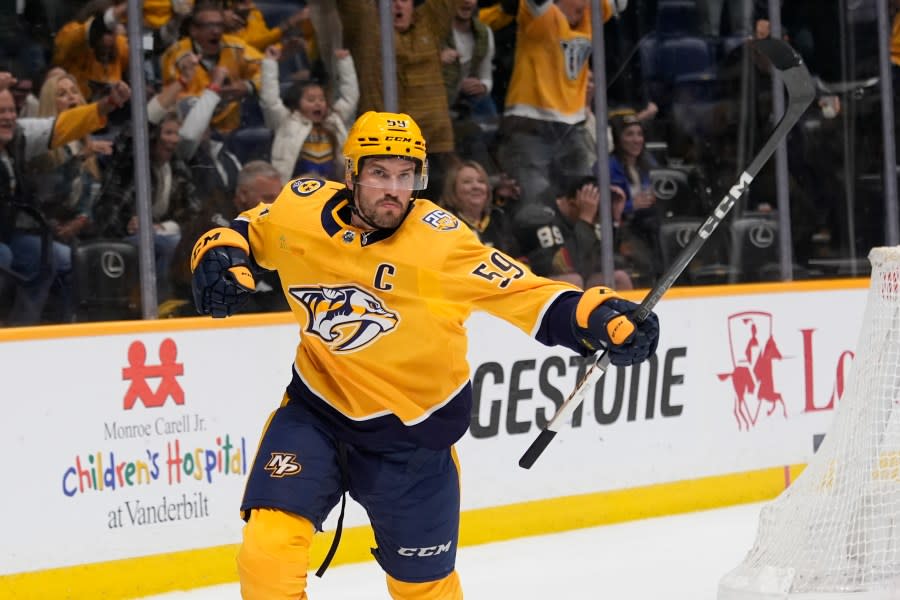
[[801, 92]]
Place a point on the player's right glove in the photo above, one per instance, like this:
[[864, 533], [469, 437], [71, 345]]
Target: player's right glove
[[222, 281], [601, 320]]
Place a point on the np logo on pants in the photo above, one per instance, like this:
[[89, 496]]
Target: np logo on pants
[[282, 464]]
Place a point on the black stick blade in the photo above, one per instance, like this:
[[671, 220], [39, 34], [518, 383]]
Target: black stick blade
[[781, 54], [537, 447]]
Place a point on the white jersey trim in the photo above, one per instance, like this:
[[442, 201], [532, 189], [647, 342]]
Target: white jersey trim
[[546, 307], [543, 114], [440, 405]]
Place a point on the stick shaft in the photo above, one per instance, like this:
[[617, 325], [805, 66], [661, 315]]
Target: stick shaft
[[801, 92]]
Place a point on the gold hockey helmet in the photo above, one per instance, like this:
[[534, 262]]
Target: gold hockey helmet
[[390, 135]]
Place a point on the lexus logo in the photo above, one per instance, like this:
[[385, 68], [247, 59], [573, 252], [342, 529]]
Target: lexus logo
[[762, 235], [683, 236], [665, 188], [112, 264]]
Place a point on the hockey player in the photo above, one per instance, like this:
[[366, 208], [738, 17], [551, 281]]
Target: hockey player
[[381, 285]]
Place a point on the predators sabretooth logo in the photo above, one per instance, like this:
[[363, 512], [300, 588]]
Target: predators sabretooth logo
[[347, 317]]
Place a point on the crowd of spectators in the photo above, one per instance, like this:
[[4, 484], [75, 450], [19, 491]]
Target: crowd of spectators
[[243, 97]]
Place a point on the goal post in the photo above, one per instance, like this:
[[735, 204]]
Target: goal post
[[834, 534]]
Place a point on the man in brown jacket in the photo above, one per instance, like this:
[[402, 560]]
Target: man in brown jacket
[[419, 33]]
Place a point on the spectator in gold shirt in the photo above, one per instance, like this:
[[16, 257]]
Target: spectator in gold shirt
[[244, 20], [93, 49], [208, 42]]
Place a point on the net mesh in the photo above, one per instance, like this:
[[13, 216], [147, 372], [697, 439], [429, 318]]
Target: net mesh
[[836, 531]]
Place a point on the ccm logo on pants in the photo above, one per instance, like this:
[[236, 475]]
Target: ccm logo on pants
[[429, 551]]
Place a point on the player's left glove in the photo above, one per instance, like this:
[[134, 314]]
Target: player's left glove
[[602, 319], [222, 281]]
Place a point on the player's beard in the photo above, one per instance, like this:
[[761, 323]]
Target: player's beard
[[379, 219]]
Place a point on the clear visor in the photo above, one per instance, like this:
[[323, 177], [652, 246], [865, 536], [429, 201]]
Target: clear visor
[[381, 179]]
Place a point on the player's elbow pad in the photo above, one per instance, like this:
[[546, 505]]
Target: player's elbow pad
[[222, 280]]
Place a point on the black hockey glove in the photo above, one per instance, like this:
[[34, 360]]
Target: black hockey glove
[[601, 321], [222, 281]]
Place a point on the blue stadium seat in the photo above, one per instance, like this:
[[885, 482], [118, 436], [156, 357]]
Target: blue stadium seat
[[648, 58], [665, 60], [702, 86], [732, 43], [251, 113], [677, 18], [695, 98], [652, 77], [677, 57], [250, 143]]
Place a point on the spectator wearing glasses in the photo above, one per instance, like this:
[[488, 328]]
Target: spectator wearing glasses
[[209, 43], [21, 141], [24, 92]]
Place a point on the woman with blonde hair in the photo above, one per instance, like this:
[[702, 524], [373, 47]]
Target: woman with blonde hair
[[467, 194], [66, 180], [62, 183]]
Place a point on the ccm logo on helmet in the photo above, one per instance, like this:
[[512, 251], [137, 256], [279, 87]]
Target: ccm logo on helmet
[[396, 138], [429, 551]]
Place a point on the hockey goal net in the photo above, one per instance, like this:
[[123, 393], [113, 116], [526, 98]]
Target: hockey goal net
[[835, 533]]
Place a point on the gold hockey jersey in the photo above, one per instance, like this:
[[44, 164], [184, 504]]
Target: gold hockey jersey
[[382, 351], [549, 78]]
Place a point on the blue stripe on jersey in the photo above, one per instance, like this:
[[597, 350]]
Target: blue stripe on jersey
[[556, 327], [242, 227]]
